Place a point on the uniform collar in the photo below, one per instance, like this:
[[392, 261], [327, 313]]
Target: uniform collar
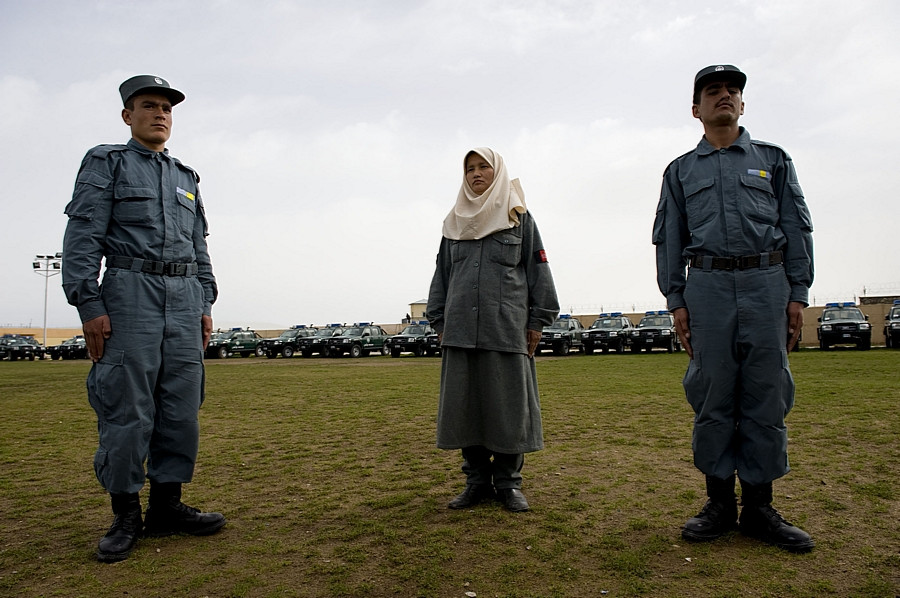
[[136, 146], [704, 148]]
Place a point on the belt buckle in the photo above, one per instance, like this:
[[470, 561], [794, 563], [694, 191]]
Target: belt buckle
[[176, 269]]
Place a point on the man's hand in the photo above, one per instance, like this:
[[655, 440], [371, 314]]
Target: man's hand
[[683, 329], [96, 332], [795, 323], [534, 338], [206, 329]]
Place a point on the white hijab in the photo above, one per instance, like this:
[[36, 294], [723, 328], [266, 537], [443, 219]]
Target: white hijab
[[477, 216]]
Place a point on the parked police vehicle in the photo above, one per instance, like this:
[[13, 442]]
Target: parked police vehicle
[[432, 344], [892, 327], [561, 336], [412, 339], [844, 324], [14, 347], [287, 343], [358, 340], [656, 329], [318, 341], [609, 331], [236, 341], [71, 348]]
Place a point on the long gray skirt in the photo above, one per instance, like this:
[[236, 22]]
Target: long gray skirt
[[490, 399]]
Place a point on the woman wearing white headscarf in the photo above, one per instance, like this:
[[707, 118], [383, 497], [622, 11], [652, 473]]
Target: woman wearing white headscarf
[[491, 295]]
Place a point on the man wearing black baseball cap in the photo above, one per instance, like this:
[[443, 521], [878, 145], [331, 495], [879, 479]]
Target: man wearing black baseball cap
[[731, 211], [146, 326]]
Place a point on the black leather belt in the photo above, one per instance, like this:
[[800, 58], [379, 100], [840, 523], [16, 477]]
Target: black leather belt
[[743, 262], [137, 264]]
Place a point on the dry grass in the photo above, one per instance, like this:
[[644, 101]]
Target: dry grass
[[329, 477]]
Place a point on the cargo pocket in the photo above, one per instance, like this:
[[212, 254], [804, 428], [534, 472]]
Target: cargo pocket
[[106, 384], [694, 385]]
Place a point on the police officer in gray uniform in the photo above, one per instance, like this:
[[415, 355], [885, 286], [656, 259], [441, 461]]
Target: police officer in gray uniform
[[733, 213], [147, 324]]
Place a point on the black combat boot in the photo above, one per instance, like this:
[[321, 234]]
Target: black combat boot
[[760, 520], [718, 515], [167, 515], [472, 495], [121, 538]]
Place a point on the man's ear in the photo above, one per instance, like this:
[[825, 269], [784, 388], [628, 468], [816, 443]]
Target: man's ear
[[695, 110], [126, 116]]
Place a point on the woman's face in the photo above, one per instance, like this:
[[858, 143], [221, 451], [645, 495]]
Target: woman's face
[[479, 174]]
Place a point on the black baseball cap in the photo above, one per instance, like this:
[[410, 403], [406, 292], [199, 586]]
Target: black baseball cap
[[149, 84], [719, 72]]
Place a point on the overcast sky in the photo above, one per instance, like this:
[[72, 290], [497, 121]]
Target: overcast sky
[[329, 136]]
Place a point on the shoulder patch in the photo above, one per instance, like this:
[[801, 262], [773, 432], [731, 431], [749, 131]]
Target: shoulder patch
[[540, 256]]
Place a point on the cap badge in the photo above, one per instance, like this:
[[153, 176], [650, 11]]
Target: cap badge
[[718, 68], [158, 80]]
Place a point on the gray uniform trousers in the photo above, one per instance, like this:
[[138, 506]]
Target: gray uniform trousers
[[148, 386], [739, 383]]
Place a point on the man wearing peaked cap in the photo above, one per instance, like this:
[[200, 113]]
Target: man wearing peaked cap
[[146, 326], [734, 259]]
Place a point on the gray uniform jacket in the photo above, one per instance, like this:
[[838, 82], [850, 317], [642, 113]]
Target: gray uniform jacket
[[741, 200], [485, 293], [134, 202]]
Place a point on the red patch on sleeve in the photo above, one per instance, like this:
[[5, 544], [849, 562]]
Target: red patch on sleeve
[[540, 256]]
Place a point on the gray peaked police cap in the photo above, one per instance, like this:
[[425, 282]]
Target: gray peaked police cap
[[719, 72], [149, 84]]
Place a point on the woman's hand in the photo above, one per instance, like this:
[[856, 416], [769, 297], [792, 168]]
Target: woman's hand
[[534, 338]]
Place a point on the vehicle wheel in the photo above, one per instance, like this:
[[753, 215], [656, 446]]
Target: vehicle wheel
[[395, 352], [605, 349], [864, 345], [649, 349], [887, 341], [823, 345], [563, 348], [356, 351], [260, 351], [223, 352], [588, 350], [245, 354], [31, 357], [385, 350], [671, 347], [620, 348], [419, 351], [288, 352], [306, 353], [635, 349]]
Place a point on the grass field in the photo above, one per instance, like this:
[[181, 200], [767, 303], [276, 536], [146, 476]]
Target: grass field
[[327, 472]]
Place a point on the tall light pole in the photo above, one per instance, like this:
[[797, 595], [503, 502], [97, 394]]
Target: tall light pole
[[47, 266]]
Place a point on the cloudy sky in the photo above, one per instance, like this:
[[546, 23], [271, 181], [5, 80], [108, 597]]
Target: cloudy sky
[[329, 135]]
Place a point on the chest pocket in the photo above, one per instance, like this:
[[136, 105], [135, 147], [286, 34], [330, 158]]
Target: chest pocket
[[758, 201], [187, 212], [701, 203], [506, 248], [136, 206]]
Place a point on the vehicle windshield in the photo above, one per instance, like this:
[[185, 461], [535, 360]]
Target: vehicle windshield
[[326, 332], [895, 313], [606, 323], [352, 331], [845, 313], [558, 325], [655, 321], [414, 329]]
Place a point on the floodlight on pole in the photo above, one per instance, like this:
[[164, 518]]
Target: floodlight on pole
[[47, 266]]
